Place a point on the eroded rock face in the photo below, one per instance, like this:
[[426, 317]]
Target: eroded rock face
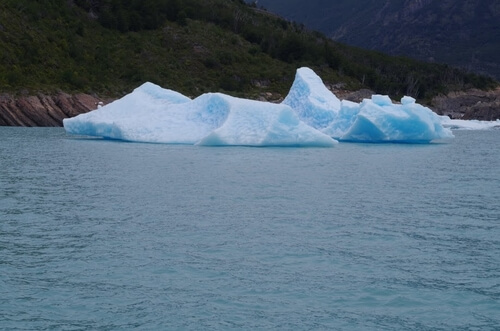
[[43, 110], [472, 104]]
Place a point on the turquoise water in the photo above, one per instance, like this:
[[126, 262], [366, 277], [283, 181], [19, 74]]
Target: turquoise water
[[106, 235]]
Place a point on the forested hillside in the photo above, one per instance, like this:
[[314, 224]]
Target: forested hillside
[[463, 33], [108, 47]]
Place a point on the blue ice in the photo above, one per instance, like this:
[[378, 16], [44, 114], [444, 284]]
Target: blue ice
[[379, 120]]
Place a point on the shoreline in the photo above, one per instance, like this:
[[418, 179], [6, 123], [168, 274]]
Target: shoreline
[[44, 110]]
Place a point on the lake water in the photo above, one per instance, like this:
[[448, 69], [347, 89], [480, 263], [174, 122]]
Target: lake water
[[105, 235]]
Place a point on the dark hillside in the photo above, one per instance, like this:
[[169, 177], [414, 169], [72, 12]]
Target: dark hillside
[[108, 47], [463, 33]]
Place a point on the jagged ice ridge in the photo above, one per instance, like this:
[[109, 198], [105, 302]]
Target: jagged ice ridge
[[310, 115]]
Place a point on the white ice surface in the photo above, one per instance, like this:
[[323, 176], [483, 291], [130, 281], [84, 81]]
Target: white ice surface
[[152, 114]]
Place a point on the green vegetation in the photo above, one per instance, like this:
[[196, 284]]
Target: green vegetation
[[109, 47]]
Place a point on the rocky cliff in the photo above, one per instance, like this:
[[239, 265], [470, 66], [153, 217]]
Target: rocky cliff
[[43, 110], [472, 104]]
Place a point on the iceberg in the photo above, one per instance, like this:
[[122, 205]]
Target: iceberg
[[155, 115], [310, 115]]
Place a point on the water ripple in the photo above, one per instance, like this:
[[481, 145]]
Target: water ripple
[[97, 234]]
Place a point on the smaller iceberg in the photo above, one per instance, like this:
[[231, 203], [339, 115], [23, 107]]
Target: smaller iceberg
[[374, 120], [379, 120]]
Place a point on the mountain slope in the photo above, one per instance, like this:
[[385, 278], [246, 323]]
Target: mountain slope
[[464, 33], [108, 47]]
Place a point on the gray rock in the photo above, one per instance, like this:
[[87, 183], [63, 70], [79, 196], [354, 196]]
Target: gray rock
[[43, 110], [471, 104]]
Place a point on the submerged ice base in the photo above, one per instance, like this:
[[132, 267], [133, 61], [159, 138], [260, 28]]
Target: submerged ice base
[[310, 115]]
